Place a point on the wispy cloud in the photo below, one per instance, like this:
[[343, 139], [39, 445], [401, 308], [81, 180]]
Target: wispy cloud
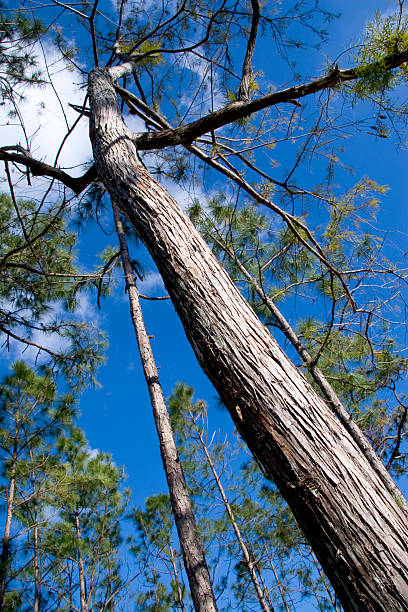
[[152, 282], [47, 115]]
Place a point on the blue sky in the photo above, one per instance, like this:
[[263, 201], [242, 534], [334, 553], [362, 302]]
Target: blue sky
[[117, 417]]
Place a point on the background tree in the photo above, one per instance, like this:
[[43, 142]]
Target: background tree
[[245, 521], [84, 542], [362, 368], [191, 545], [158, 554], [40, 287], [31, 418]]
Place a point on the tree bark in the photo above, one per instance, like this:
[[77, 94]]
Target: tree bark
[[190, 541], [81, 569], [4, 558], [323, 384], [356, 528], [176, 579]]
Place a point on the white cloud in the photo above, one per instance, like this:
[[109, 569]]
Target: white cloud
[[152, 282], [42, 111], [201, 68], [135, 123], [52, 341], [184, 196], [30, 353], [86, 310], [92, 452]]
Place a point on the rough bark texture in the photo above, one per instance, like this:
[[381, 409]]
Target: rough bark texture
[[323, 384], [190, 541], [353, 523]]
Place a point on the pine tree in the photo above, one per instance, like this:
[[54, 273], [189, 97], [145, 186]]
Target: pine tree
[[255, 530], [158, 556], [191, 545], [38, 273], [31, 417]]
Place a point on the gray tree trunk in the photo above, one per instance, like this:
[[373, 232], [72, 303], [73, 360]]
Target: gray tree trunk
[[5, 551], [356, 528], [190, 540], [81, 569]]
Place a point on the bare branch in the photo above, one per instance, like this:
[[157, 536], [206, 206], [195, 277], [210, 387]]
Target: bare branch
[[93, 35], [30, 343], [401, 425], [70, 8], [106, 268], [160, 297], [39, 168], [160, 26]]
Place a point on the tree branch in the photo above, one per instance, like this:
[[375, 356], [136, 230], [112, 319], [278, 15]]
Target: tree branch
[[239, 109], [30, 343], [245, 85], [39, 168]]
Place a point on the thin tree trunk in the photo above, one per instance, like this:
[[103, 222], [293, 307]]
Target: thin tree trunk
[[4, 558], [190, 541], [324, 581], [265, 589], [176, 578], [5, 550], [355, 525], [36, 567], [82, 585], [247, 557], [278, 582]]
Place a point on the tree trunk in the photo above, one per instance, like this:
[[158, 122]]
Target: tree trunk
[[277, 579], [190, 541], [324, 386], [176, 579], [357, 530], [36, 565], [81, 570], [4, 558]]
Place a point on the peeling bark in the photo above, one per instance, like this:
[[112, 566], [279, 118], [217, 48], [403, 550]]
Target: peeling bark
[[356, 528]]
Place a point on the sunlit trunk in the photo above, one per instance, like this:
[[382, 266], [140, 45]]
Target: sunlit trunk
[[251, 565], [355, 526], [5, 551]]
